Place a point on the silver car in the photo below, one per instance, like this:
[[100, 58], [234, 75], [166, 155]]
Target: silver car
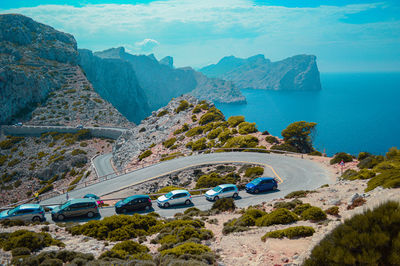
[[174, 197], [222, 191], [24, 212]]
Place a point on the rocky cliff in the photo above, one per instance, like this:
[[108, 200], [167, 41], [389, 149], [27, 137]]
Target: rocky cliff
[[40, 80], [299, 72], [161, 81], [115, 80]]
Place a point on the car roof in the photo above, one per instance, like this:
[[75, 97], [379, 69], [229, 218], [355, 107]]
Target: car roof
[[263, 178], [179, 191], [137, 196], [81, 200], [226, 185], [29, 206]]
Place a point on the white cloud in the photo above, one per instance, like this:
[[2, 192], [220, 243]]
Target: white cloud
[[147, 45]]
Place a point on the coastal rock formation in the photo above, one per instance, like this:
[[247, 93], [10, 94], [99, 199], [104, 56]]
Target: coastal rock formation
[[299, 72], [115, 80], [40, 80], [161, 82]]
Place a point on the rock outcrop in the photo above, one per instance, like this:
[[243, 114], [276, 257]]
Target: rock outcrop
[[299, 72], [161, 82], [115, 80]]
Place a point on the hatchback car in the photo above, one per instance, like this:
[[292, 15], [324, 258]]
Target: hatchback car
[[133, 203], [261, 184], [222, 191], [74, 208], [174, 197], [24, 212]]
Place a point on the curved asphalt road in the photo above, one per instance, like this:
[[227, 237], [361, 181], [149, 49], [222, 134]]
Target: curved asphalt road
[[295, 173]]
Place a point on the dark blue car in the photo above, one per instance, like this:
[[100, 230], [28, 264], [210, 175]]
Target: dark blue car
[[261, 184]]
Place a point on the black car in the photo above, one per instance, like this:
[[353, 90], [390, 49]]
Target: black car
[[133, 203]]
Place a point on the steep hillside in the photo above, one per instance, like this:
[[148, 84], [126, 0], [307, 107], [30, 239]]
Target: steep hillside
[[161, 81], [299, 72], [115, 80]]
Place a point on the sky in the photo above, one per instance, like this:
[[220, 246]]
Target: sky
[[345, 35]]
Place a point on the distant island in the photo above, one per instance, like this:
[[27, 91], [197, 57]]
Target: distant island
[[298, 72]]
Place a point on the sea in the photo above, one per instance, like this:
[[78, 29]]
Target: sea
[[354, 112]]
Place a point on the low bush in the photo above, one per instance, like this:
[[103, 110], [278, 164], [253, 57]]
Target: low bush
[[386, 179], [54, 258], [199, 145], [184, 128], [356, 203], [271, 140], [27, 239], [21, 251], [313, 214], [241, 142], [298, 194], [279, 216], [362, 155], [287, 205], [255, 213], [233, 121], [127, 250], [315, 153], [375, 232], [182, 106], [145, 154], [212, 115], [341, 156], [332, 211], [162, 113], [370, 162], [194, 131], [214, 133], [213, 179], [291, 232], [9, 142], [224, 135], [77, 152], [284, 147], [188, 250], [299, 209], [225, 204], [247, 128], [168, 143], [254, 172]]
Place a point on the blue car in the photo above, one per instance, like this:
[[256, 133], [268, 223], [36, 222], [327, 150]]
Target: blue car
[[24, 212], [261, 184]]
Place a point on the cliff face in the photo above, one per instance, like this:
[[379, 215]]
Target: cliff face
[[31, 57], [161, 82], [115, 80], [299, 72]]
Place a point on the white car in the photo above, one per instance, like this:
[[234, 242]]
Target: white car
[[174, 197], [222, 191]]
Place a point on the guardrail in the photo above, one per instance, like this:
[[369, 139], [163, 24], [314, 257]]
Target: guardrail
[[145, 165]]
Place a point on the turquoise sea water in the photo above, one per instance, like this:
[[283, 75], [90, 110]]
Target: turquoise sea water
[[354, 111]]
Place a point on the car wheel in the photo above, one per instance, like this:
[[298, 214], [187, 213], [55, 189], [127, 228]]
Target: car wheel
[[216, 198], [187, 202], [235, 195], [60, 217], [166, 205], [36, 219], [256, 191], [147, 208], [274, 188], [90, 214]]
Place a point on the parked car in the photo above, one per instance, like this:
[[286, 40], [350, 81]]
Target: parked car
[[79, 126], [19, 124], [222, 191], [74, 208], [24, 212], [97, 198], [174, 197], [261, 184], [133, 203]]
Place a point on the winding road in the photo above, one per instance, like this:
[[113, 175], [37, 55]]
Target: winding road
[[294, 174]]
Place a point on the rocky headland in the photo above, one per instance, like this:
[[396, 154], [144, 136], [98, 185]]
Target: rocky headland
[[298, 72]]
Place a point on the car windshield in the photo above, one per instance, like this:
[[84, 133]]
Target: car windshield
[[64, 205], [11, 212], [126, 200], [256, 181], [169, 195], [217, 189]]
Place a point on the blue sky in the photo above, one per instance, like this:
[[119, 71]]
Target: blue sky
[[345, 35]]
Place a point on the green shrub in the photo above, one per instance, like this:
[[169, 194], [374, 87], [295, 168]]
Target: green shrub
[[341, 156], [199, 145], [9, 142], [27, 239], [362, 155], [254, 172], [225, 135], [284, 147], [77, 152], [212, 115], [386, 179], [168, 143], [298, 194], [375, 232], [212, 180], [247, 128], [332, 211], [214, 133], [162, 113], [349, 174], [184, 128], [255, 213], [83, 134], [45, 189], [182, 106], [127, 249], [13, 162], [196, 109], [20, 251], [315, 153], [271, 140], [241, 142], [145, 154], [186, 248], [299, 209], [233, 121], [3, 159], [313, 214], [279, 216], [224, 204], [288, 205], [291, 232], [370, 162], [194, 131]]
